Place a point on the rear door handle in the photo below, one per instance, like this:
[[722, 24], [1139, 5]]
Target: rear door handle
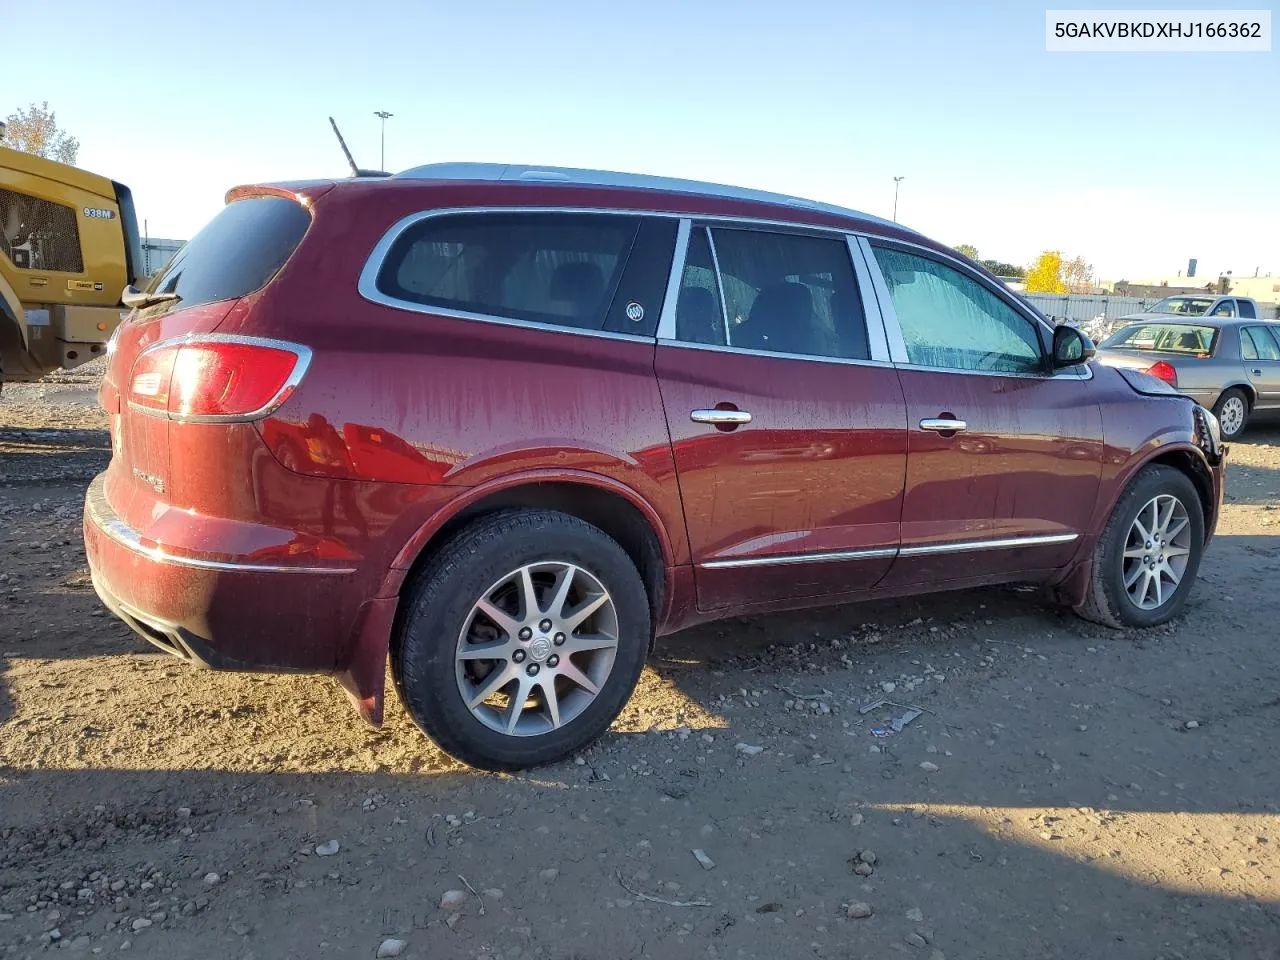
[[1257, 373], [720, 417], [939, 425]]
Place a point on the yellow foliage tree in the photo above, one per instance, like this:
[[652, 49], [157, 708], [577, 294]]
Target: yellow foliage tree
[[1045, 276]]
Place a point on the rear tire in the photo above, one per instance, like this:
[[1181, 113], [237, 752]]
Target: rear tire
[[558, 677], [1232, 411], [1142, 581]]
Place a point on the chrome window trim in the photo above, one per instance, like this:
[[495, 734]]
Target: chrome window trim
[[667, 319], [893, 330], [897, 346], [967, 546], [877, 346], [1081, 371], [367, 284], [1001, 292], [131, 539], [866, 270], [303, 353], [715, 265], [750, 352]]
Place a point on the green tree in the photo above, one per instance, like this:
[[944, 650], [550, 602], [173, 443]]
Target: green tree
[[1045, 275], [968, 250], [1002, 269], [35, 130]]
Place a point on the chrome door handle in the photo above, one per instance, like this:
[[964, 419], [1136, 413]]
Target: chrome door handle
[[944, 426], [720, 417]]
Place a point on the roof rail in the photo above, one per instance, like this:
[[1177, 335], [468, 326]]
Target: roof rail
[[607, 178]]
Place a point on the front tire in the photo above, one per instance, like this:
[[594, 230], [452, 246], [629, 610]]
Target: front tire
[[1232, 411], [1149, 553], [523, 638]]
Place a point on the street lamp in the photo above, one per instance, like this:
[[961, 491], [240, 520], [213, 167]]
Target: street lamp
[[383, 115], [896, 181]]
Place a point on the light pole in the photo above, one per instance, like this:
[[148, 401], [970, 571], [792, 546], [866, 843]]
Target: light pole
[[896, 181], [383, 115]]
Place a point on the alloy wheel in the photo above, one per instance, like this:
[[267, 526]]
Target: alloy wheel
[[1157, 551], [536, 648], [1231, 416]]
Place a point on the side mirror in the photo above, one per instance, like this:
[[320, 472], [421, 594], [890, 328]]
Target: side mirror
[[1071, 347]]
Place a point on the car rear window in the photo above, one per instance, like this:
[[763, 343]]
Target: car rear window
[[1164, 338], [236, 253], [560, 269]]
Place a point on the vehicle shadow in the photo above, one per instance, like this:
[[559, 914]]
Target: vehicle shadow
[[1071, 812]]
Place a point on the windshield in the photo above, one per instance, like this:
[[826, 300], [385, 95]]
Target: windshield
[[1165, 338], [1183, 306]]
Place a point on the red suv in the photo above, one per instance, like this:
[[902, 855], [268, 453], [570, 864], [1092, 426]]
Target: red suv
[[511, 424]]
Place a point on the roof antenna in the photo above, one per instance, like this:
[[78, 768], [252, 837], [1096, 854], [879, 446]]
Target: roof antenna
[[355, 171]]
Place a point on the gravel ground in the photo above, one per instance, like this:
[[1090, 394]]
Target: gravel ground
[[1067, 792]]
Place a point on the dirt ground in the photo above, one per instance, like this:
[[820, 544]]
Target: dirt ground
[[1067, 792]]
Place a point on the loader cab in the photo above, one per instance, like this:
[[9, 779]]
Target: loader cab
[[69, 245]]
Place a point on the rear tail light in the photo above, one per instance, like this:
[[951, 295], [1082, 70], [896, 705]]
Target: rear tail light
[[1163, 370], [216, 378]]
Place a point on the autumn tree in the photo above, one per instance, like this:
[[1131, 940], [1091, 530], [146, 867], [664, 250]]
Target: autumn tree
[[1045, 275], [35, 130], [968, 250], [1077, 275]]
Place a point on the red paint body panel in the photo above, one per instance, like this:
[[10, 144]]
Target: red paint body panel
[[405, 419], [831, 429], [1028, 464]]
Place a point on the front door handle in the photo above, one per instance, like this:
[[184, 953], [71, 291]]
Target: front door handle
[[720, 417], [939, 425]]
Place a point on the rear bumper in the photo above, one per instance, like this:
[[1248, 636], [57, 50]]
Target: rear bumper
[[221, 611]]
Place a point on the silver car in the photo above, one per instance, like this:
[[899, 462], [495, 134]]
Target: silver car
[[1227, 364]]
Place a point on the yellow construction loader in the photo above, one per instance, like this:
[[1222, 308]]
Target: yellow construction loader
[[69, 248]]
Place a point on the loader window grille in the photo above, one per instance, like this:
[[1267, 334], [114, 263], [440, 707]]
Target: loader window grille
[[39, 234]]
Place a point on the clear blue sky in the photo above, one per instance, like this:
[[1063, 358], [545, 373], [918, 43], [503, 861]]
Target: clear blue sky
[[1137, 161]]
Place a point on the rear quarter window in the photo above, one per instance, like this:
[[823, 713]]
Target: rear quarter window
[[557, 269], [236, 253]]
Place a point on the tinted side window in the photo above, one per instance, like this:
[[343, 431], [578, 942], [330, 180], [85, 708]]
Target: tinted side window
[[560, 269], [1225, 309], [237, 252], [1258, 344], [699, 312], [788, 293], [951, 321], [1246, 310]]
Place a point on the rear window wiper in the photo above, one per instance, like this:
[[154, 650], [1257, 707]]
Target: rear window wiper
[[133, 297]]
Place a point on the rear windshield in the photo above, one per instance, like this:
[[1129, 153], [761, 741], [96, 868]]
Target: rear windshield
[[236, 253], [1164, 338]]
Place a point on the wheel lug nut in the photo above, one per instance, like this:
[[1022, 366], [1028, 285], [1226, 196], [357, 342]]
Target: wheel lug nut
[[533, 670], [518, 656], [544, 626], [526, 633], [553, 661], [558, 639]]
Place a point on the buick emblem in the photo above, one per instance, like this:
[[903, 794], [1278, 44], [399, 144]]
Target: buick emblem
[[635, 312]]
